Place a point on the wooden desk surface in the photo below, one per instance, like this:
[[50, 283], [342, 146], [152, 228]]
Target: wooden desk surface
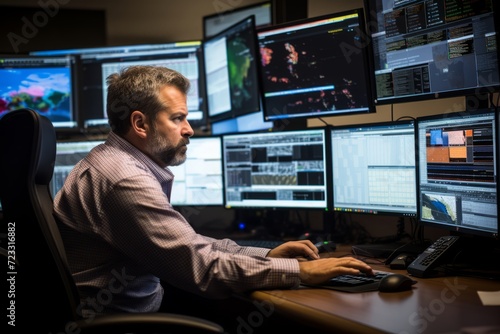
[[434, 305]]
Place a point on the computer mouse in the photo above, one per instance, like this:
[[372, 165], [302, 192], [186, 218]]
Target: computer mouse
[[395, 283], [325, 246]]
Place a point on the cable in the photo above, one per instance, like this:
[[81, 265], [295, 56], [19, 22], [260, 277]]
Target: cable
[[405, 117], [322, 120]]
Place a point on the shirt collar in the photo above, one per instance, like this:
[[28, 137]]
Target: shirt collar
[[164, 175]]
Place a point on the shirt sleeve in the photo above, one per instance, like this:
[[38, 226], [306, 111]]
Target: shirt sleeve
[[142, 224]]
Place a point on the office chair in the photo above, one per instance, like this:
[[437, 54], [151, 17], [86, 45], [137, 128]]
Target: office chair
[[44, 294]]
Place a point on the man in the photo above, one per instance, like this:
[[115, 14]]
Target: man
[[122, 235]]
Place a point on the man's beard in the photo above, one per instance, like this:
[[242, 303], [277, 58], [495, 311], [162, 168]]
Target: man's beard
[[164, 152]]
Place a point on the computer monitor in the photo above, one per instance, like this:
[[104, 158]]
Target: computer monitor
[[44, 84], [374, 168], [67, 155], [286, 169], [458, 170], [315, 67], [252, 122], [198, 181], [213, 24], [425, 50], [97, 64], [232, 84], [101, 49], [227, 15]]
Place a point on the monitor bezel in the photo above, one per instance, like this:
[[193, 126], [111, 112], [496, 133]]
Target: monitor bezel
[[327, 167], [100, 56], [357, 48], [61, 129], [231, 112], [91, 50], [479, 95], [400, 213], [456, 229], [236, 121], [93, 142], [202, 205], [235, 11]]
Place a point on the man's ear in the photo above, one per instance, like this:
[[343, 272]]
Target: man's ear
[[139, 124]]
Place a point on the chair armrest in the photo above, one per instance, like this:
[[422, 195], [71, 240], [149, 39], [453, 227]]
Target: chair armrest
[[147, 323]]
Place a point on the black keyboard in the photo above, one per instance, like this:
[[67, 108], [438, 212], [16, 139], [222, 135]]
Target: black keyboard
[[259, 243], [354, 283]]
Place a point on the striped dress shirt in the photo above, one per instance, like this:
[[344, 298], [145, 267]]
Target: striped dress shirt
[[122, 236]]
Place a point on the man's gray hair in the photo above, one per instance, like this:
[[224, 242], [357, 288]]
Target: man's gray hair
[[137, 88]]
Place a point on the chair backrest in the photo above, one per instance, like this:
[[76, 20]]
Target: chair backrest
[[42, 293], [46, 290]]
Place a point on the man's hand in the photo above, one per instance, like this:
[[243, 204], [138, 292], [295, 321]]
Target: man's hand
[[293, 249], [320, 271]]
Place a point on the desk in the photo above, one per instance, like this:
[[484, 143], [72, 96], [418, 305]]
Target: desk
[[434, 305]]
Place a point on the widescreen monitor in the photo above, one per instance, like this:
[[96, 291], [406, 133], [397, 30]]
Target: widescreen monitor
[[374, 168], [44, 84], [198, 181], [458, 171], [227, 15], [68, 154], [102, 49], [96, 64], [232, 84], [425, 50], [213, 24], [315, 67], [286, 169]]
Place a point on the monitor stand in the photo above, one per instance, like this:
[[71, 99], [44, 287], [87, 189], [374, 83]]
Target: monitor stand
[[390, 250], [476, 101], [392, 246], [378, 251]]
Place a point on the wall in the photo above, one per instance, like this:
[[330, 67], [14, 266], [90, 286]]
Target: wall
[[146, 21]]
